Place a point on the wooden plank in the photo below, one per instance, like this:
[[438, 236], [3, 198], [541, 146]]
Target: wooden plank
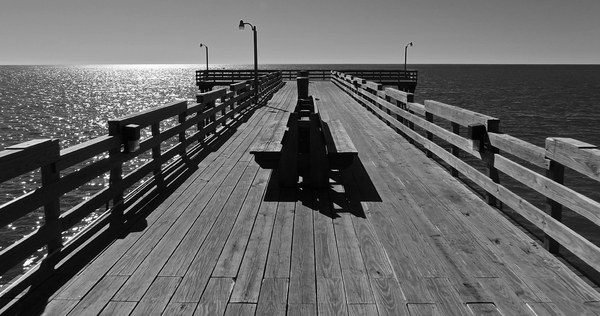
[[184, 215], [58, 307], [249, 278], [376, 260], [503, 297], [520, 148], [273, 297], [330, 296], [148, 117], [425, 309], [21, 158], [119, 309], [362, 309], [569, 198], [212, 201], [233, 252], [341, 141], [155, 300], [547, 309], [215, 297], [280, 251], [400, 96], [180, 309], [93, 302], [577, 155], [356, 281], [484, 309], [327, 263], [240, 309], [461, 116], [302, 272], [88, 149], [447, 298], [206, 257], [302, 310], [389, 297], [565, 299]]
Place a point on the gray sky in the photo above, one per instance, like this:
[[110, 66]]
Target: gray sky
[[300, 31]]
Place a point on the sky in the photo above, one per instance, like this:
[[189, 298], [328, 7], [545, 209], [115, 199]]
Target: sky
[[300, 31]]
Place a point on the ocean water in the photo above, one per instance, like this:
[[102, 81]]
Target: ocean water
[[74, 103]]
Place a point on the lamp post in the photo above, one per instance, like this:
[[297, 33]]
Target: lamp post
[[242, 24], [206, 46], [405, 49]]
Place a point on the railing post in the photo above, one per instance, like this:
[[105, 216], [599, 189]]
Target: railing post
[[156, 153], [182, 137], [116, 176], [50, 175], [429, 118], [454, 149], [491, 151], [556, 172]]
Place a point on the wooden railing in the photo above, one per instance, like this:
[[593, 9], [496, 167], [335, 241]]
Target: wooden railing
[[485, 143], [382, 76], [172, 137]]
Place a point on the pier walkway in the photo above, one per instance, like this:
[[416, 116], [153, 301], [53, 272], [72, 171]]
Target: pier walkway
[[394, 234]]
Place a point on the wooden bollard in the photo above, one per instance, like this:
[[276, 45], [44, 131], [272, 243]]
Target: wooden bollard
[[302, 81]]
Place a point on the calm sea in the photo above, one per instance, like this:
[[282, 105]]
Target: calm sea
[[73, 104]]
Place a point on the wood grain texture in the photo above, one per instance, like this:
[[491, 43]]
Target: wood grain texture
[[120, 309], [180, 309], [240, 309], [95, 301], [215, 297], [389, 297], [158, 295], [302, 272], [577, 155], [273, 297]]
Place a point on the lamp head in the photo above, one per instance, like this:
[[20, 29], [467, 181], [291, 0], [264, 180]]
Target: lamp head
[[202, 45], [410, 44], [241, 25]]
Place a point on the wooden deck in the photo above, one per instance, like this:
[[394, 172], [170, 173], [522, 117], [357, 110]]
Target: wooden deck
[[393, 235]]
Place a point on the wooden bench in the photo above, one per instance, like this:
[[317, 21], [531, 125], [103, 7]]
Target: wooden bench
[[330, 145], [267, 150]]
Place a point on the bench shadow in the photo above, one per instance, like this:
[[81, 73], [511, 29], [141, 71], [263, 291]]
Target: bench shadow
[[345, 193]]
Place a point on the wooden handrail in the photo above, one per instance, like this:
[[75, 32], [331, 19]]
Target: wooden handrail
[[180, 126], [485, 142], [384, 75]]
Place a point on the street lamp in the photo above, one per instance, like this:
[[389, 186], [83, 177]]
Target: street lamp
[[242, 24], [405, 49], [206, 46]]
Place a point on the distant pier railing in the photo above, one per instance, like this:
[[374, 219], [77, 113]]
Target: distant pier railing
[[406, 80], [481, 139], [171, 138]]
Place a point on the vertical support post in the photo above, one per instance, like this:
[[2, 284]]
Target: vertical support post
[[429, 118], [288, 163], [490, 151], [319, 166], [209, 106], [116, 176], [556, 172], [156, 153], [454, 149], [182, 137], [50, 175]]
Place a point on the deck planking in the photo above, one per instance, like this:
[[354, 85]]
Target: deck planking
[[392, 235]]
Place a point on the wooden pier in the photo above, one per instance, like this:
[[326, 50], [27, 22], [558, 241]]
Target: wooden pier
[[213, 233], [405, 80]]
